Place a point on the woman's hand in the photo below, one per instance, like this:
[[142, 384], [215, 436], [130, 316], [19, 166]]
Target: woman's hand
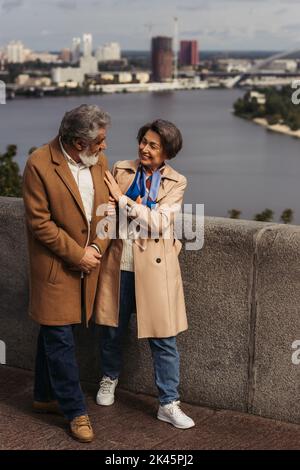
[[113, 186], [111, 206]]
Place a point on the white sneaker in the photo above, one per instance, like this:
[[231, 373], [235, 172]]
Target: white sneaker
[[106, 393], [173, 414]]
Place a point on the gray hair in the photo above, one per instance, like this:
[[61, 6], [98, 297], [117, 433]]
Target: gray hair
[[83, 123]]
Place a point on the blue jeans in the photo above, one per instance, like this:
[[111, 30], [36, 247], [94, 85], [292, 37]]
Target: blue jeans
[[164, 350], [56, 371]]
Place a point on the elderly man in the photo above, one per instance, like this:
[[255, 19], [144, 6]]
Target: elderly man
[[63, 186]]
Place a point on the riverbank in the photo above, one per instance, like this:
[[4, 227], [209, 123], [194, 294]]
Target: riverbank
[[13, 91], [279, 128]]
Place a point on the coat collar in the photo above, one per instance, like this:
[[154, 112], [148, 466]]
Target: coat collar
[[65, 174], [58, 157], [167, 172]]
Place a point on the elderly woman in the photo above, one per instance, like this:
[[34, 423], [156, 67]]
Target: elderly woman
[[141, 272]]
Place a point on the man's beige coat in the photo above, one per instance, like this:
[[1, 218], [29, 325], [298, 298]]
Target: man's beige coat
[[158, 285], [58, 233]]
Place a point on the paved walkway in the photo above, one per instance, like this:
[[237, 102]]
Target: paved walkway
[[131, 424]]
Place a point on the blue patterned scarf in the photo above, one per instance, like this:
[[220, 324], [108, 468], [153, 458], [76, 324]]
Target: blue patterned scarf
[[140, 185]]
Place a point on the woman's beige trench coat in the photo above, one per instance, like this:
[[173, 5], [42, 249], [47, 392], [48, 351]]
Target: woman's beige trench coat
[[158, 285]]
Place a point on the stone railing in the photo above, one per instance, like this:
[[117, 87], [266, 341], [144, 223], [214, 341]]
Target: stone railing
[[243, 302]]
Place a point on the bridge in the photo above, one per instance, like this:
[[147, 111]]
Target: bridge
[[233, 82]]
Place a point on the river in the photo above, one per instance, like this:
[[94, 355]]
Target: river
[[229, 162]]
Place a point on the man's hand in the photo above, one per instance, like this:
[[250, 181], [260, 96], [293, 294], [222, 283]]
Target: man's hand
[[90, 260]]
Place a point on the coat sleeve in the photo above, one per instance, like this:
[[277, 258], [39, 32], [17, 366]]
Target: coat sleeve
[[39, 221], [161, 219]]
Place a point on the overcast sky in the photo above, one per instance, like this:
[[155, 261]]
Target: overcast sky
[[216, 24]]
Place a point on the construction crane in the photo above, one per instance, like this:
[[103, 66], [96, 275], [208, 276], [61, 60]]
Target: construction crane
[[149, 27]]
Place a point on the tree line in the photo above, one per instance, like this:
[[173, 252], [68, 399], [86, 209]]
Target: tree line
[[278, 108], [266, 215]]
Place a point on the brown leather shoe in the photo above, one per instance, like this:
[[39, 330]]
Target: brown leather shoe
[[81, 429], [46, 407]]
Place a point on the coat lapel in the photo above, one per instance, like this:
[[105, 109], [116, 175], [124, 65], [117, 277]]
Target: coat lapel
[[168, 179], [96, 172], [128, 182], [125, 178], [161, 191], [99, 188], [64, 172]]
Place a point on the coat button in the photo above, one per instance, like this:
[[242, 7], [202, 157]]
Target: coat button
[[138, 228], [106, 228], [158, 260], [157, 240]]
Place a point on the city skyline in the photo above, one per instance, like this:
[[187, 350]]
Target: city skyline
[[247, 24]]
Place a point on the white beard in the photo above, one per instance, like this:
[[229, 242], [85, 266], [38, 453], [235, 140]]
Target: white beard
[[89, 160]]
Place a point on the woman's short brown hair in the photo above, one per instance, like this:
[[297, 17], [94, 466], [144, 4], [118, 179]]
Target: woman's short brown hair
[[170, 135]]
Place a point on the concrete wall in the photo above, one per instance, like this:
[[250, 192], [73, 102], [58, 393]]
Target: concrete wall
[[243, 301]]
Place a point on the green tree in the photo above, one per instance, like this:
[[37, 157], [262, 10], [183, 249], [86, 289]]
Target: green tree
[[277, 109], [265, 216], [234, 213], [239, 106], [293, 121], [287, 216], [274, 104], [10, 177], [274, 119], [31, 150], [261, 112]]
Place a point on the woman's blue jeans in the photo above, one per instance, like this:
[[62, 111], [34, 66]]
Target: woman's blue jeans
[[164, 350]]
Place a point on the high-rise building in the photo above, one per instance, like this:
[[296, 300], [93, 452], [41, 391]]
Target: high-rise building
[[87, 45], [162, 59], [65, 55], [76, 50], [88, 64], [16, 52], [109, 51], [189, 54]]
